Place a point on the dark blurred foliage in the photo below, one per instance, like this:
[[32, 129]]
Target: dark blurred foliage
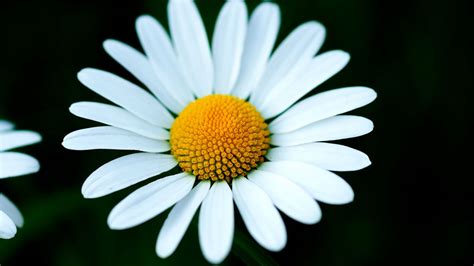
[[414, 205]]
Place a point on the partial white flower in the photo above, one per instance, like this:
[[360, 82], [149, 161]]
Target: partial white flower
[[14, 164], [230, 117]]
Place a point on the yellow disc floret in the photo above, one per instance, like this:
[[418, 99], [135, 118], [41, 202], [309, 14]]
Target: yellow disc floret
[[219, 137]]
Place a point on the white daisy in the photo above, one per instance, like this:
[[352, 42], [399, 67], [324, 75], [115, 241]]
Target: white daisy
[[231, 120], [14, 164]]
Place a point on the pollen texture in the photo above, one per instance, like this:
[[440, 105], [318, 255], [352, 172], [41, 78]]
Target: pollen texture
[[219, 137]]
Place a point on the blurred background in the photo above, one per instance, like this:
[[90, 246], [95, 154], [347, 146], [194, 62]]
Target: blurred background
[[413, 205]]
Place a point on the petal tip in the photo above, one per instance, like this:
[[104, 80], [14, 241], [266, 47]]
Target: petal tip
[[109, 43], [87, 193], [64, 143], [143, 20], [278, 246], [366, 162], [372, 94], [214, 259], [83, 74], [162, 251], [112, 222]]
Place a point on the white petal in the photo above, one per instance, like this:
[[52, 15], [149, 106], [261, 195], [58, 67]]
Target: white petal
[[328, 156], [288, 197], [16, 164], [126, 171], [293, 54], [160, 52], [18, 138], [216, 223], [7, 227], [260, 216], [117, 117], [149, 201], [317, 71], [137, 64], [260, 38], [112, 138], [228, 44], [333, 128], [126, 94], [179, 219], [321, 106], [11, 210], [6, 125], [321, 184], [191, 45]]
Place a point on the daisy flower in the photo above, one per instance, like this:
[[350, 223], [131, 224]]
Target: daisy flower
[[231, 118], [14, 164]]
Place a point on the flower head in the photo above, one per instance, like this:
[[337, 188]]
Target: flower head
[[219, 137], [230, 118], [14, 164]]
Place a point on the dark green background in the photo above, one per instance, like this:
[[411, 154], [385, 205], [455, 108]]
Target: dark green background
[[412, 206]]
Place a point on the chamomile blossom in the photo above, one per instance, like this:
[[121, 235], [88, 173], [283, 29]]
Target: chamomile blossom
[[231, 118], [14, 164]]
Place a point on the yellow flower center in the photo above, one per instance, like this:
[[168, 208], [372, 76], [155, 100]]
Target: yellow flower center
[[219, 137]]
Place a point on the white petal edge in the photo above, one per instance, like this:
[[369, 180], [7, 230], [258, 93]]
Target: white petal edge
[[216, 223], [137, 64], [261, 218], [112, 138], [178, 220], [291, 56], [6, 125], [321, 106], [287, 196], [126, 94], [260, 38], [191, 45], [161, 54], [333, 128], [18, 138], [126, 171], [149, 201], [10, 209], [228, 44], [119, 118], [333, 157], [316, 71], [16, 164], [7, 227], [321, 184]]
